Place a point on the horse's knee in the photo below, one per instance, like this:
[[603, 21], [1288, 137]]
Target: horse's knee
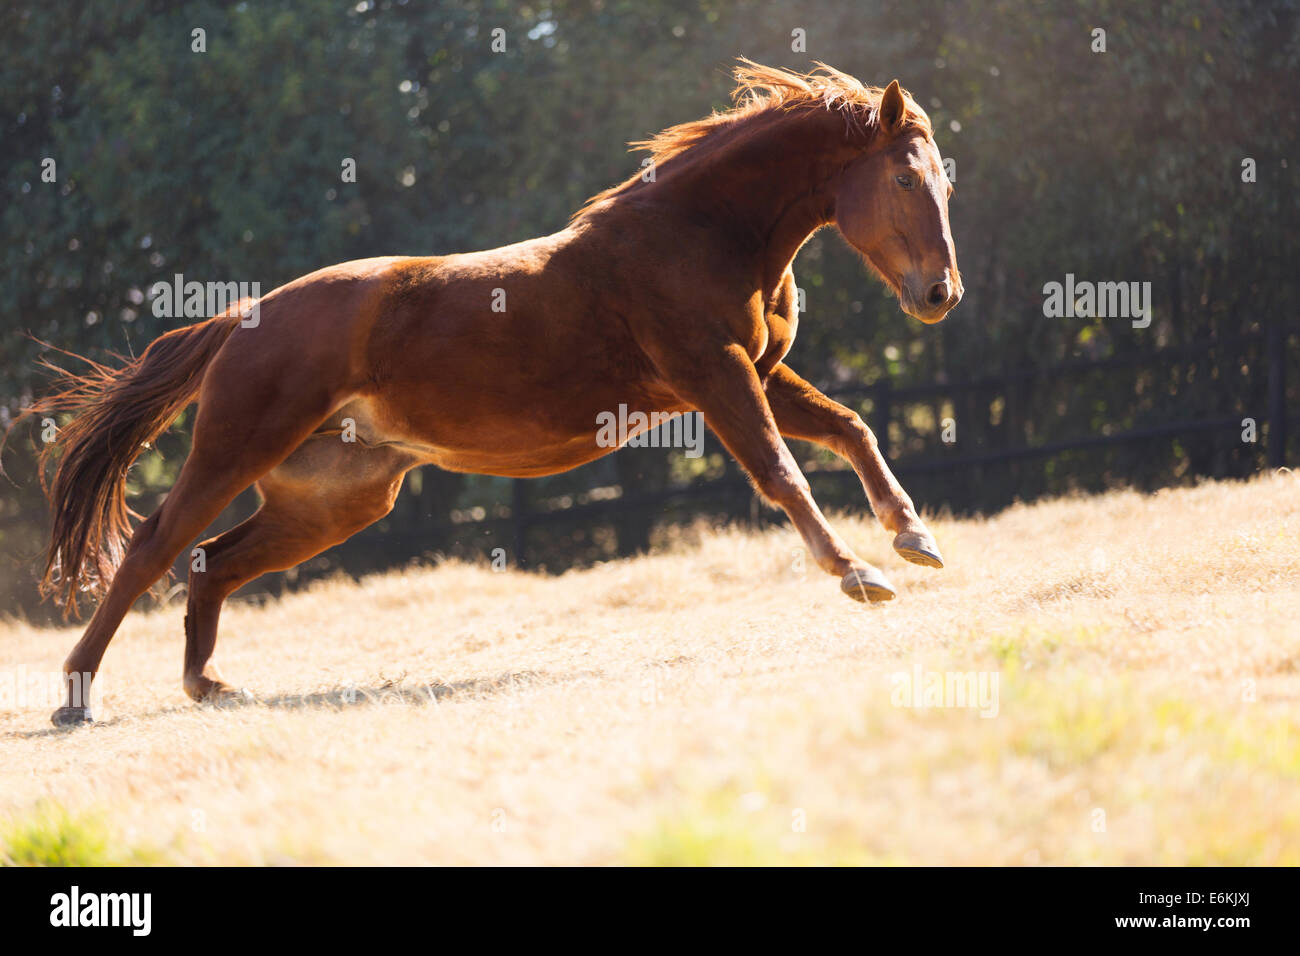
[[853, 435], [785, 486]]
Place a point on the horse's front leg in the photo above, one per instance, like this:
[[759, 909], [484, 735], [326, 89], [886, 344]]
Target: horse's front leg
[[801, 411], [730, 396]]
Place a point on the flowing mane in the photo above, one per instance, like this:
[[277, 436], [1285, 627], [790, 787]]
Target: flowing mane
[[764, 91]]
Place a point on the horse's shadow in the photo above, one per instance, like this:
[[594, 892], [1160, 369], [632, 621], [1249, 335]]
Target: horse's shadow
[[391, 693], [342, 696]]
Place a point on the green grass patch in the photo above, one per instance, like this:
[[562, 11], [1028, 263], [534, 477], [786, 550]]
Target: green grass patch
[[51, 836], [720, 831]]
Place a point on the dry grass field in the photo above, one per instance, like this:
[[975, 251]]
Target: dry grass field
[[1139, 657]]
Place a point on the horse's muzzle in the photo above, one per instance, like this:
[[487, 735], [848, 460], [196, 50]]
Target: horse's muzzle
[[938, 301]]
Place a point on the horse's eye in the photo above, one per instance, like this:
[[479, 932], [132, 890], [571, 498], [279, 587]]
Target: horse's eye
[[905, 181]]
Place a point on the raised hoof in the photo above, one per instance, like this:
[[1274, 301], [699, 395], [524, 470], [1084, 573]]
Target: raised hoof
[[866, 585], [919, 548], [71, 717]]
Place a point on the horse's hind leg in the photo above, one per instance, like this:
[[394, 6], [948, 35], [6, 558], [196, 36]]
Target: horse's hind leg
[[322, 495], [194, 503], [222, 463]]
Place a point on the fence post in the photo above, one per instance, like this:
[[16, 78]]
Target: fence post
[[519, 520], [1276, 339]]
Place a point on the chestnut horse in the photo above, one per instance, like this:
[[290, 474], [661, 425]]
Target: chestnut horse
[[668, 293]]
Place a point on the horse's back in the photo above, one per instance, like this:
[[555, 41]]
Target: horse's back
[[496, 361]]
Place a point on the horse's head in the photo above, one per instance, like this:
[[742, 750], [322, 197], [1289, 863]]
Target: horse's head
[[891, 204]]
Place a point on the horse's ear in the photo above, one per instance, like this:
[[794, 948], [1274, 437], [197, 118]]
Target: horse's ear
[[893, 111]]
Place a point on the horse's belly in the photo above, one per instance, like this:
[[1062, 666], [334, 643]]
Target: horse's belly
[[518, 463], [520, 440]]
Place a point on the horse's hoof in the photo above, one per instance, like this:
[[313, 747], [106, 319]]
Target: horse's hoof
[[866, 585], [919, 548], [210, 690], [71, 717], [227, 696]]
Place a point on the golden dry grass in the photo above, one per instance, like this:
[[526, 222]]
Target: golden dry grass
[[712, 705]]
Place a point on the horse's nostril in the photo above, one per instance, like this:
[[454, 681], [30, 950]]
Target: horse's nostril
[[938, 294]]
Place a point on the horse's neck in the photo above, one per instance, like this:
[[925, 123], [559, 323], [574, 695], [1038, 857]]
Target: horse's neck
[[771, 189], [796, 219]]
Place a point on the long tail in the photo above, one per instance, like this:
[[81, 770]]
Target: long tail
[[116, 413]]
